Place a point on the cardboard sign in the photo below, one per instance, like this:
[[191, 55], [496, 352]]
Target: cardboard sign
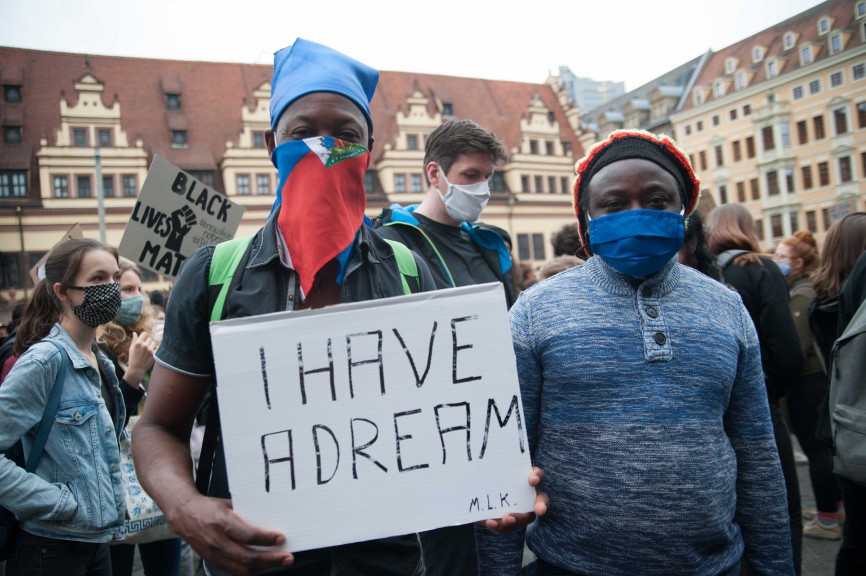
[[374, 419], [37, 273], [174, 215]]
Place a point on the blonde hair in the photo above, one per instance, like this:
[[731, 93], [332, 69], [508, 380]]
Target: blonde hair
[[118, 337]]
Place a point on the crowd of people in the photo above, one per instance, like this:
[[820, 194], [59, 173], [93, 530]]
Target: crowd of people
[[664, 359]]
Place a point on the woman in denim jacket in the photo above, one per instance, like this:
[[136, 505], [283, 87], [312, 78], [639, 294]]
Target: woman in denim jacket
[[73, 504]]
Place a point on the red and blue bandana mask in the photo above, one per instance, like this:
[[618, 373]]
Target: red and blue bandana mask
[[321, 200]]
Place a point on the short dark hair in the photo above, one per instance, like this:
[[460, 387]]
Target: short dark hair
[[457, 137], [566, 241]]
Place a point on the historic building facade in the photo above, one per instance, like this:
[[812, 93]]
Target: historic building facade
[[777, 121], [73, 124]]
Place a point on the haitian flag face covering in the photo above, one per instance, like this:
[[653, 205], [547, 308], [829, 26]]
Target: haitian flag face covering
[[321, 200]]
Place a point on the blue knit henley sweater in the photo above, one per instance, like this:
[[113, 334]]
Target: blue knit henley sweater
[[646, 407]]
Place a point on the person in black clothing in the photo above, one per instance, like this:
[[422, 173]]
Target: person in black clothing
[[459, 159], [761, 285]]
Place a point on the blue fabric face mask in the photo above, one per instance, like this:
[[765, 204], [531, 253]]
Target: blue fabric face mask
[[130, 310], [637, 242], [784, 267]]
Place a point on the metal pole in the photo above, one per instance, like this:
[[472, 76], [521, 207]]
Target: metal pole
[[100, 196], [19, 211]]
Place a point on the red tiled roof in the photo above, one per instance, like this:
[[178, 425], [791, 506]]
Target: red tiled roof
[[805, 28], [212, 94]]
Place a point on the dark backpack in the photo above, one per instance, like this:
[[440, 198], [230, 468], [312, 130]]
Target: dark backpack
[[724, 260]]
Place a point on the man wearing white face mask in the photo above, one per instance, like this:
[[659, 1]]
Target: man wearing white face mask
[[459, 159]]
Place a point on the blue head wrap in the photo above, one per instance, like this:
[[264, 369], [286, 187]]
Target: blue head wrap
[[306, 67]]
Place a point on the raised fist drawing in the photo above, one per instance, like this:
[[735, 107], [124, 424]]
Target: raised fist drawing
[[182, 221]]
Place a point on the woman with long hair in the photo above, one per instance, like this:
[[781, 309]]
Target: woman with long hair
[[797, 256], [731, 235], [72, 504], [128, 342], [845, 241]]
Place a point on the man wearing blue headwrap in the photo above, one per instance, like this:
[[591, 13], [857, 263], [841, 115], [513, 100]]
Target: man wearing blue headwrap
[[316, 249]]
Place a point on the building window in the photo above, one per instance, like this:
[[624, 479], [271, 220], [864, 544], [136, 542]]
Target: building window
[[757, 54], [723, 194], [551, 185], [688, 129], [716, 120], [788, 40], [823, 174], [750, 146], [399, 182], [805, 55], [797, 93], [845, 169], [415, 181], [12, 134], [370, 182], [263, 184], [533, 146], [755, 189], [84, 188], [699, 125], [206, 177], [806, 172], [730, 65], [530, 247], [840, 120], [172, 101], [835, 43], [548, 148], [259, 139], [802, 132], [538, 252], [411, 141], [698, 97], [863, 162], [860, 10], [178, 139], [767, 138], [741, 192], [692, 161], [776, 225], [732, 113], [785, 134], [539, 184], [858, 71], [563, 181], [823, 25], [772, 183], [815, 87], [108, 186], [811, 221], [818, 125], [566, 148], [79, 137], [61, 187], [772, 69], [130, 188], [10, 273], [826, 218], [243, 184], [104, 137], [747, 109], [718, 88], [524, 183], [738, 155], [11, 93], [447, 109], [702, 156], [759, 228], [720, 157], [523, 246], [13, 184], [497, 182], [789, 179], [836, 79], [795, 221], [740, 80], [861, 114]]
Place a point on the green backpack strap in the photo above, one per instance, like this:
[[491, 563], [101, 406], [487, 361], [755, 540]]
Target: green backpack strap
[[406, 265], [226, 259]]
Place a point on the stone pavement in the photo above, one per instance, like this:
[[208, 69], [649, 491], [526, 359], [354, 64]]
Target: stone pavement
[[819, 556]]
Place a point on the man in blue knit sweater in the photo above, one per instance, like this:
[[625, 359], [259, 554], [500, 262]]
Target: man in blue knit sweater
[[643, 393]]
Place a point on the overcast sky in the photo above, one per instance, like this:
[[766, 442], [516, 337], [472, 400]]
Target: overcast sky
[[620, 40]]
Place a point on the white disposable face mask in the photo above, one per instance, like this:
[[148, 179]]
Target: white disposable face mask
[[464, 202]]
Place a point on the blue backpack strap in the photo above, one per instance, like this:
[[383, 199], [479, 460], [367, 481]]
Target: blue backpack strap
[[50, 410]]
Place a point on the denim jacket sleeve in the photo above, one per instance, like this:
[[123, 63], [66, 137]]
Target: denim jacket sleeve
[[22, 400]]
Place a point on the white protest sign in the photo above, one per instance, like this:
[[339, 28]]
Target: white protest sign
[[173, 215], [374, 419]]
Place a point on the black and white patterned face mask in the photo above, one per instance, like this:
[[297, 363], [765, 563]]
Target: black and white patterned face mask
[[100, 305]]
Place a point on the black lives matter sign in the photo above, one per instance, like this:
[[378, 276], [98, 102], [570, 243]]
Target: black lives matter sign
[[173, 216]]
